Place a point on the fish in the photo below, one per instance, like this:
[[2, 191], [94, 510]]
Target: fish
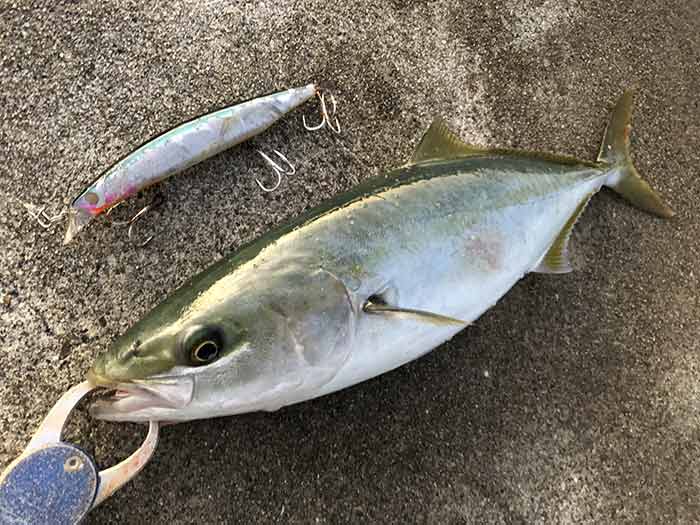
[[178, 149], [364, 283]]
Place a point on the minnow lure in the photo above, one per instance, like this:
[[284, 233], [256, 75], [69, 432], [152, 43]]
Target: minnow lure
[[371, 280], [180, 148]]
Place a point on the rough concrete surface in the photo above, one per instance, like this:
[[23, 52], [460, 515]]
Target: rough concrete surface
[[575, 400]]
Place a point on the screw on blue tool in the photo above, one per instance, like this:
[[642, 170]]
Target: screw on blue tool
[[53, 485], [53, 482]]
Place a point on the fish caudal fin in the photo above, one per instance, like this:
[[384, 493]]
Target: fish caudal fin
[[623, 177]]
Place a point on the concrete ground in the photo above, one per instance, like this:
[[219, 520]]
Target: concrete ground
[[575, 400]]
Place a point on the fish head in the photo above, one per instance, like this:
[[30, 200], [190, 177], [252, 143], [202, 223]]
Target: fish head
[[259, 348]]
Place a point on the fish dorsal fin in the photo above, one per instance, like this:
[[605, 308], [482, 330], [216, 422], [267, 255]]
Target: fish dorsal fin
[[410, 313], [556, 260], [439, 142]]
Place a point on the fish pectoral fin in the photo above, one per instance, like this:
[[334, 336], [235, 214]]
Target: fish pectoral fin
[[439, 142], [410, 313], [556, 260]]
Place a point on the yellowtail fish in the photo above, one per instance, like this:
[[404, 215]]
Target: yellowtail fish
[[369, 281], [180, 148]]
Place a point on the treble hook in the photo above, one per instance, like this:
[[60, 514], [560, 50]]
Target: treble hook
[[325, 115], [130, 223], [323, 119], [133, 220], [116, 223], [337, 122], [279, 170]]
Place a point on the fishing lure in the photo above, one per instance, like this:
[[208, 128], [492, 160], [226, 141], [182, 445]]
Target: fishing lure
[[180, 148]]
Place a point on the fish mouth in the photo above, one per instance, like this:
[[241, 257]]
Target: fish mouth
[[141, 399]]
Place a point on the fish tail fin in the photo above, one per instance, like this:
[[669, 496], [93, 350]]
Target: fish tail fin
[[623, 177]]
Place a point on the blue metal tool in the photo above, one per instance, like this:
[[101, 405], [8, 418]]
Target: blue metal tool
[[53, 482]]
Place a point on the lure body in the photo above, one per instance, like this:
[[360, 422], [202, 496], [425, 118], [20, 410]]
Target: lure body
[[180, 148], [294, 315]]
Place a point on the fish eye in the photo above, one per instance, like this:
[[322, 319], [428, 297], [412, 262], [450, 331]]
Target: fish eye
[[202, 345], [205, 352]]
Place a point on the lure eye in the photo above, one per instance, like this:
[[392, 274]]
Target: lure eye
[[205, 352], [92, 198]]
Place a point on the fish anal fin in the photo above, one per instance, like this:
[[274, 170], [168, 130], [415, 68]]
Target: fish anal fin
[[556, 260], [410, 313], [439, 142]]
